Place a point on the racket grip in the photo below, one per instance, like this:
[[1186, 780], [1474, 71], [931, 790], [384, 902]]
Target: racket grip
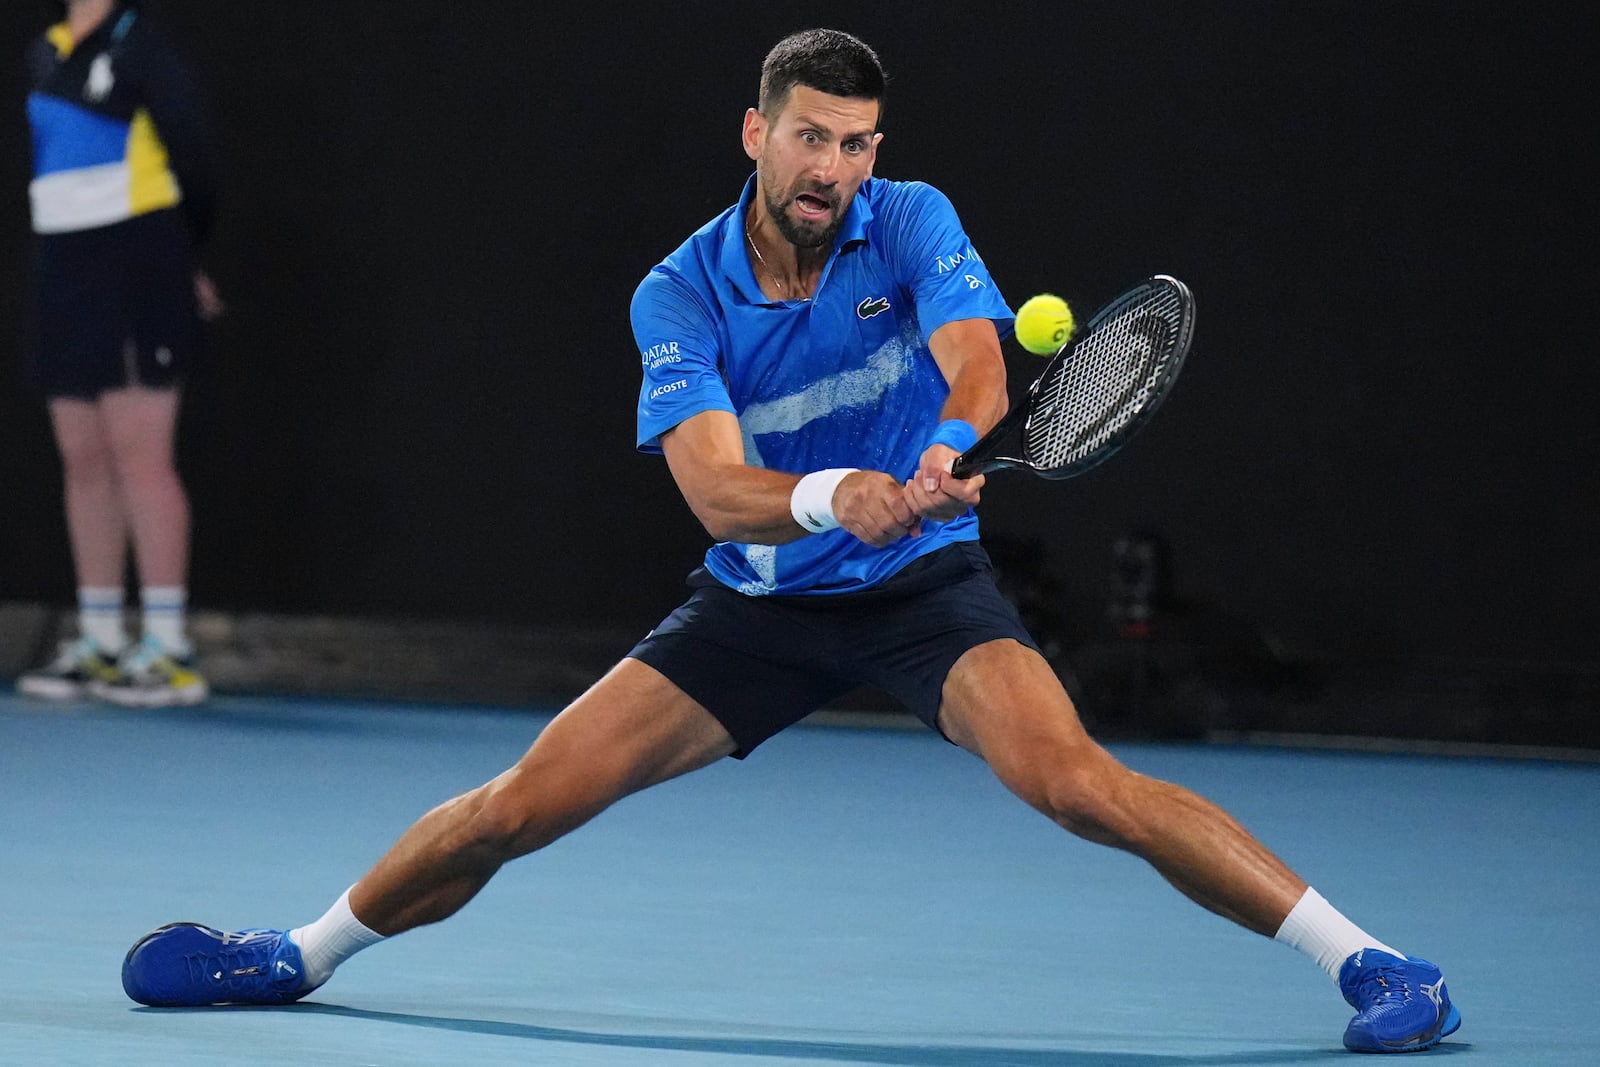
[[979, 459]]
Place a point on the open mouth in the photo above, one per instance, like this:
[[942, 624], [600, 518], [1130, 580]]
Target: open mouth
[[812, 206]]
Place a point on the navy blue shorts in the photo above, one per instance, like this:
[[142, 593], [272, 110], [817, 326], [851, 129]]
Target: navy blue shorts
[[762, 663], [114, 307]]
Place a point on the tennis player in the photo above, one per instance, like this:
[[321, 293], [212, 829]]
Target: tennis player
[[814, 360]]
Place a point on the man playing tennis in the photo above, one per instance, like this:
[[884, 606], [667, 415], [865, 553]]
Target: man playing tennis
[[815, 358]]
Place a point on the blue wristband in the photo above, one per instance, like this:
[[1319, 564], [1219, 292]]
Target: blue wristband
[[956, 433]]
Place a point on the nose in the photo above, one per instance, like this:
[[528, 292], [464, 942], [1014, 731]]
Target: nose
[[825, 164]]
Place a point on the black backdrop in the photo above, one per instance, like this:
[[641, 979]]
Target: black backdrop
[[421, 402]]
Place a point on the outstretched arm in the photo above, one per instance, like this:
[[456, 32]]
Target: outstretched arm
[[737, 502]]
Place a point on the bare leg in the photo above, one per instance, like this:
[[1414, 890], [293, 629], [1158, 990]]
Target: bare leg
[[631, 730], [1003, 703], [95, 522], [140, 425]]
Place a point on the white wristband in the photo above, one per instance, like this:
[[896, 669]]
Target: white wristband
[[811, 503]]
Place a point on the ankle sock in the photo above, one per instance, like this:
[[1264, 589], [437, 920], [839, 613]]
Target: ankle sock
[[163, 610], [331, 940], [100, 617], [1316, 928]]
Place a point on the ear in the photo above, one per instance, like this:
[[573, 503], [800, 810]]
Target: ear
[[872, 158], [754, 133]]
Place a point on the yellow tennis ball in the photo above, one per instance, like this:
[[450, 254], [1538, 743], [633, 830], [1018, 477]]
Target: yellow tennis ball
[[1044, 323]]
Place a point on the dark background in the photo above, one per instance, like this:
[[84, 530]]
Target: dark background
[[1382, 456]]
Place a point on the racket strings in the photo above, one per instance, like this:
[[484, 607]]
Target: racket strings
[[1113, 372]]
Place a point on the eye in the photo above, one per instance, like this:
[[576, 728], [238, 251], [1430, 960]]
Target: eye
[[810, 138]]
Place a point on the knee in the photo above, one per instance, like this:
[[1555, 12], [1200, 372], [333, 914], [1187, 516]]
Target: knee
[[143, 472], [523, 810], [498, 822], [1091, 798]]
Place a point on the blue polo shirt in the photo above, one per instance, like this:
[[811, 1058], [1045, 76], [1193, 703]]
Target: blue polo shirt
[[844, 379]]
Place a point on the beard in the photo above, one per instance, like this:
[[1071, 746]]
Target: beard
[[806, 234]]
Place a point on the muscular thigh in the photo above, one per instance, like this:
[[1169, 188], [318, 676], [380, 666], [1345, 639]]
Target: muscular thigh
[[1003, 702], [631, 730]]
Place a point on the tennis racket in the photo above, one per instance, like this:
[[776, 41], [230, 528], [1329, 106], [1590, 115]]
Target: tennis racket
[[1097, 391]]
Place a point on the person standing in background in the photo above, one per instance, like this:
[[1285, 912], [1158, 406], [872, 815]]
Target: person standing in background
[[123, 191]]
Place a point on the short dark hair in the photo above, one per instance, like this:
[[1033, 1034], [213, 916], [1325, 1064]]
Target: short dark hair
[[829, 61]]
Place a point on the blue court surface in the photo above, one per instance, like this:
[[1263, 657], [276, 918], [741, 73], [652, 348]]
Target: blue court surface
[[845, 896]]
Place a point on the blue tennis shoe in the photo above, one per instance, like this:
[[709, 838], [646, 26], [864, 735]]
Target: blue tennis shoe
[[186, 965], [1400, 1001]]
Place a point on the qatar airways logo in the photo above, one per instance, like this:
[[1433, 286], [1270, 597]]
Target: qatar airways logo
[[661, 354]]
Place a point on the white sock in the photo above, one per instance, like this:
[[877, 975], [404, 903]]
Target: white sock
[[100, 617], [331, 940], [163, 612], [1317, 929]]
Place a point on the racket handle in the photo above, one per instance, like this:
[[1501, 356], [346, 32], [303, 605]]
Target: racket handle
[[979, 459], [968, 465]]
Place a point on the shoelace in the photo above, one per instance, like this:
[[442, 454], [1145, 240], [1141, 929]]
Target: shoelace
[[1382, 986]]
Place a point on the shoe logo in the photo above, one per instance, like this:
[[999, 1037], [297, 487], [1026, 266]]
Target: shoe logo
[[284, 968], [217, 977], [1435, 993]]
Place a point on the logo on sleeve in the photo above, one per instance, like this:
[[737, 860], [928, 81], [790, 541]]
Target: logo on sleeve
[[946, 264], [657, 355], [872, 305]]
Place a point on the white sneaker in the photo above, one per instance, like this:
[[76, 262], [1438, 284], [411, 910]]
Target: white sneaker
[[150, 675], [78, 666]]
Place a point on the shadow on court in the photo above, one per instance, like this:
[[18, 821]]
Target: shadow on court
[[911, 1055]]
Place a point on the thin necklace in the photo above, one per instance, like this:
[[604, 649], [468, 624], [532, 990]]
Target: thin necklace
[[783, 289]]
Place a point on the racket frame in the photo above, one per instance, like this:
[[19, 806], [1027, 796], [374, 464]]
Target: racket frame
[[976, 459]]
